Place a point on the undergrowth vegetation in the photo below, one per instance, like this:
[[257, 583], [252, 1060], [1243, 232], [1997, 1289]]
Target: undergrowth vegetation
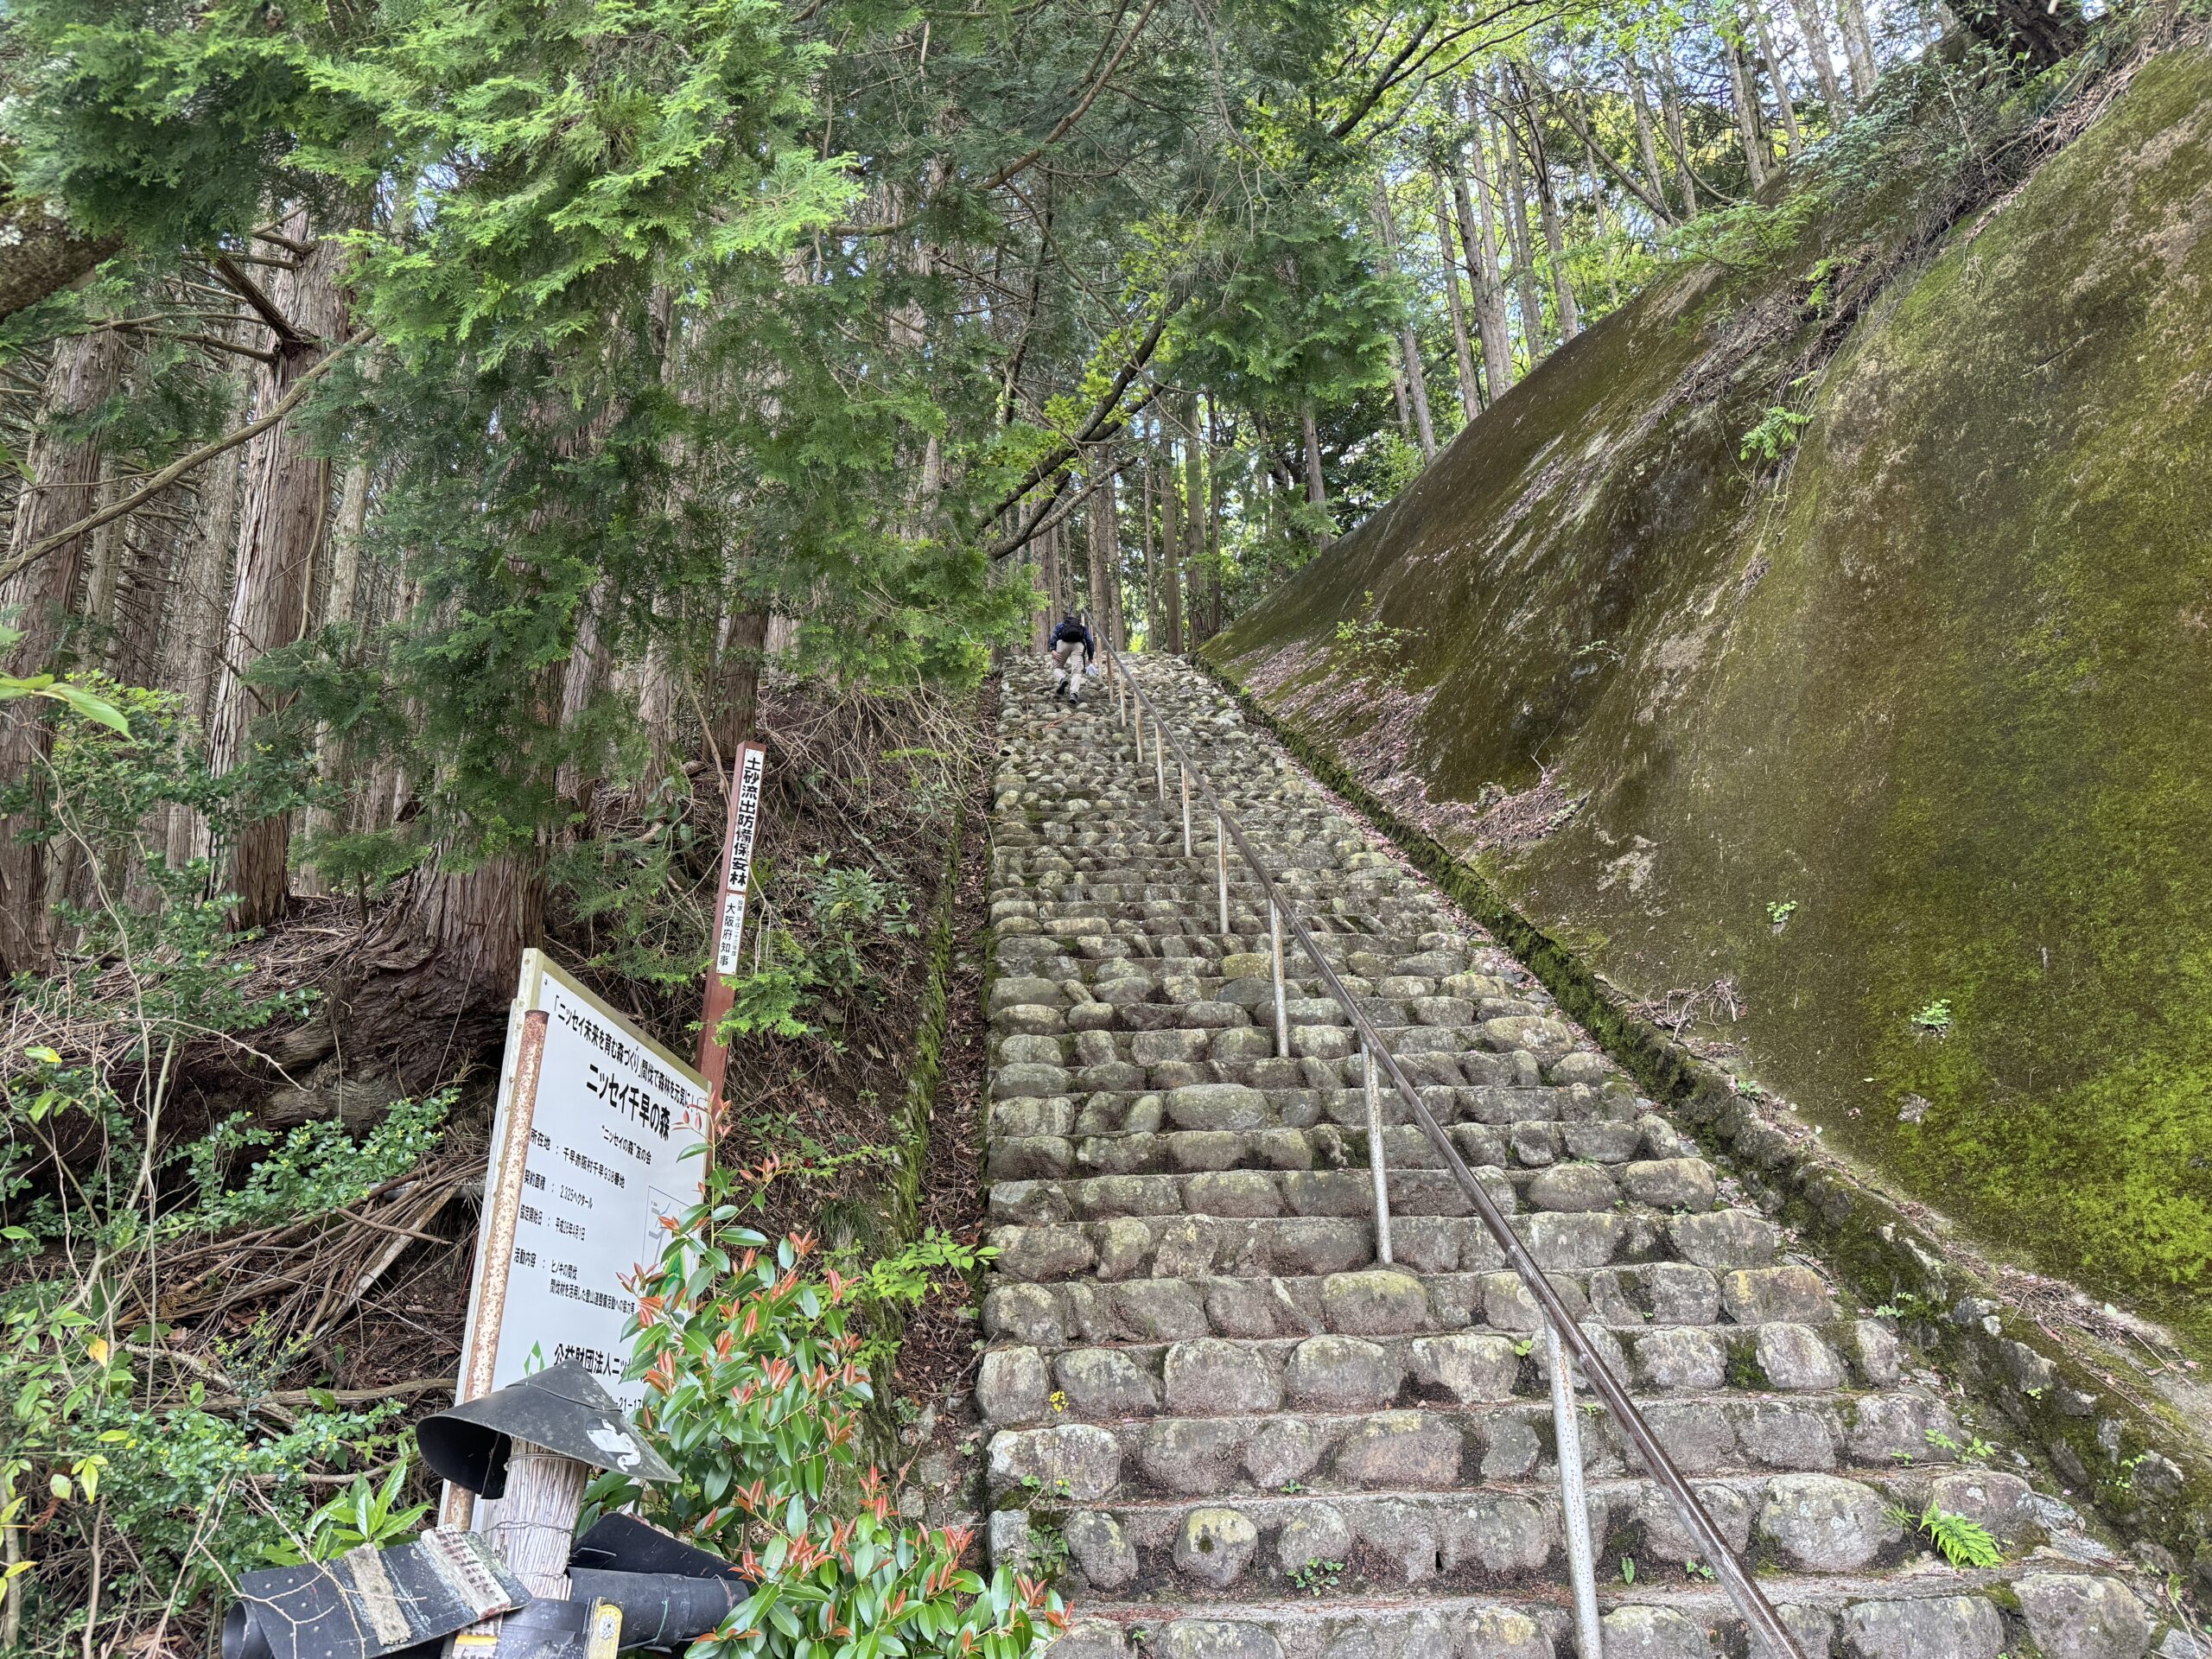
[[139, 1471], [209, 1306]]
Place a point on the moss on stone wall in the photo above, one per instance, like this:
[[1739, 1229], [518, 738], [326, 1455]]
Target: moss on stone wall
[[1949, 690], [895, 1220]]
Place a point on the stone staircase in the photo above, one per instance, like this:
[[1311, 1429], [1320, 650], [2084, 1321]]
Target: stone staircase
[[1237, 1435]]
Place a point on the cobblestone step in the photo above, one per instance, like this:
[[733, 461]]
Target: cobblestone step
[[1157, 1246], [1375, 1300], [1752, 1291], [1515, 1128], [1277, 1438], [1339, 1184], [1058, 1139], [1497, 1531], [1922, 1611], [1026, 1386], [1230, 977]]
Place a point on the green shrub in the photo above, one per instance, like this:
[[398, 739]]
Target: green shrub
[[157, 1474], [756, 1385], [318, 1169], [1372, 648], [850, 910]]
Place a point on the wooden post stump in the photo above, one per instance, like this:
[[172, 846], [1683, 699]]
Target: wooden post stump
[[533, 1524]]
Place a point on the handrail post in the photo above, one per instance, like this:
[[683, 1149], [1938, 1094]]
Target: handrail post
[[1574, 1507], [1159, 757], [1282, 1015], [1221, 864], [1368, 1068], [1185, 771]]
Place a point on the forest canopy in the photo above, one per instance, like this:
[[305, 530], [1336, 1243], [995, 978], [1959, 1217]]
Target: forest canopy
[[449, 408]]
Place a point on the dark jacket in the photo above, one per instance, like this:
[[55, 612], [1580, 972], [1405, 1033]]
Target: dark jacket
[[1071, 631]]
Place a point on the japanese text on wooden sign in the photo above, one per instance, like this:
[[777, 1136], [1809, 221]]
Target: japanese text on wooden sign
[[601, 1133], [737, 868]]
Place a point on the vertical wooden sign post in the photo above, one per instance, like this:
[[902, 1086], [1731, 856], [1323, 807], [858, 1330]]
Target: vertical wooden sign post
[[746, 775]]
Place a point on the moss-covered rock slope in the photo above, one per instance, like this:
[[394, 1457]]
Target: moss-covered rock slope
[[1903, 738]]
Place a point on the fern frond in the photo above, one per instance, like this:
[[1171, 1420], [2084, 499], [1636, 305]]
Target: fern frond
[[1963, 1542]]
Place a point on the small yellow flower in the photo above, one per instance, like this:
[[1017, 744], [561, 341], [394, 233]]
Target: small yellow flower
[[1057, 1400]]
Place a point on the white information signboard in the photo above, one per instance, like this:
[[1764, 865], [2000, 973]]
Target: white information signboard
[[599, 1133]]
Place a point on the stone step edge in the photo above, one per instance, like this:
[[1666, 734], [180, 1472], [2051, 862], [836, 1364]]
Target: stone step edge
[[1828, 1592], [1539, 1489], [1447, 1407]]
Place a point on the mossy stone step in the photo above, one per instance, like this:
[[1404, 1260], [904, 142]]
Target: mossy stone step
[[1254, 1450], [1022, 1386], [2066, 1611], [1327, 1187], [1344, 1189], [1532, 1126], [1487, 1536], [1371, 1299], [1105, 1133]]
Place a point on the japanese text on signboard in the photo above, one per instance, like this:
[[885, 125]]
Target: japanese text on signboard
[[606, 1129], [744, 818]]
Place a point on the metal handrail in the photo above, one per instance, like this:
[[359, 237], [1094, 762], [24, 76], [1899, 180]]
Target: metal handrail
[[1560, 1327]]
